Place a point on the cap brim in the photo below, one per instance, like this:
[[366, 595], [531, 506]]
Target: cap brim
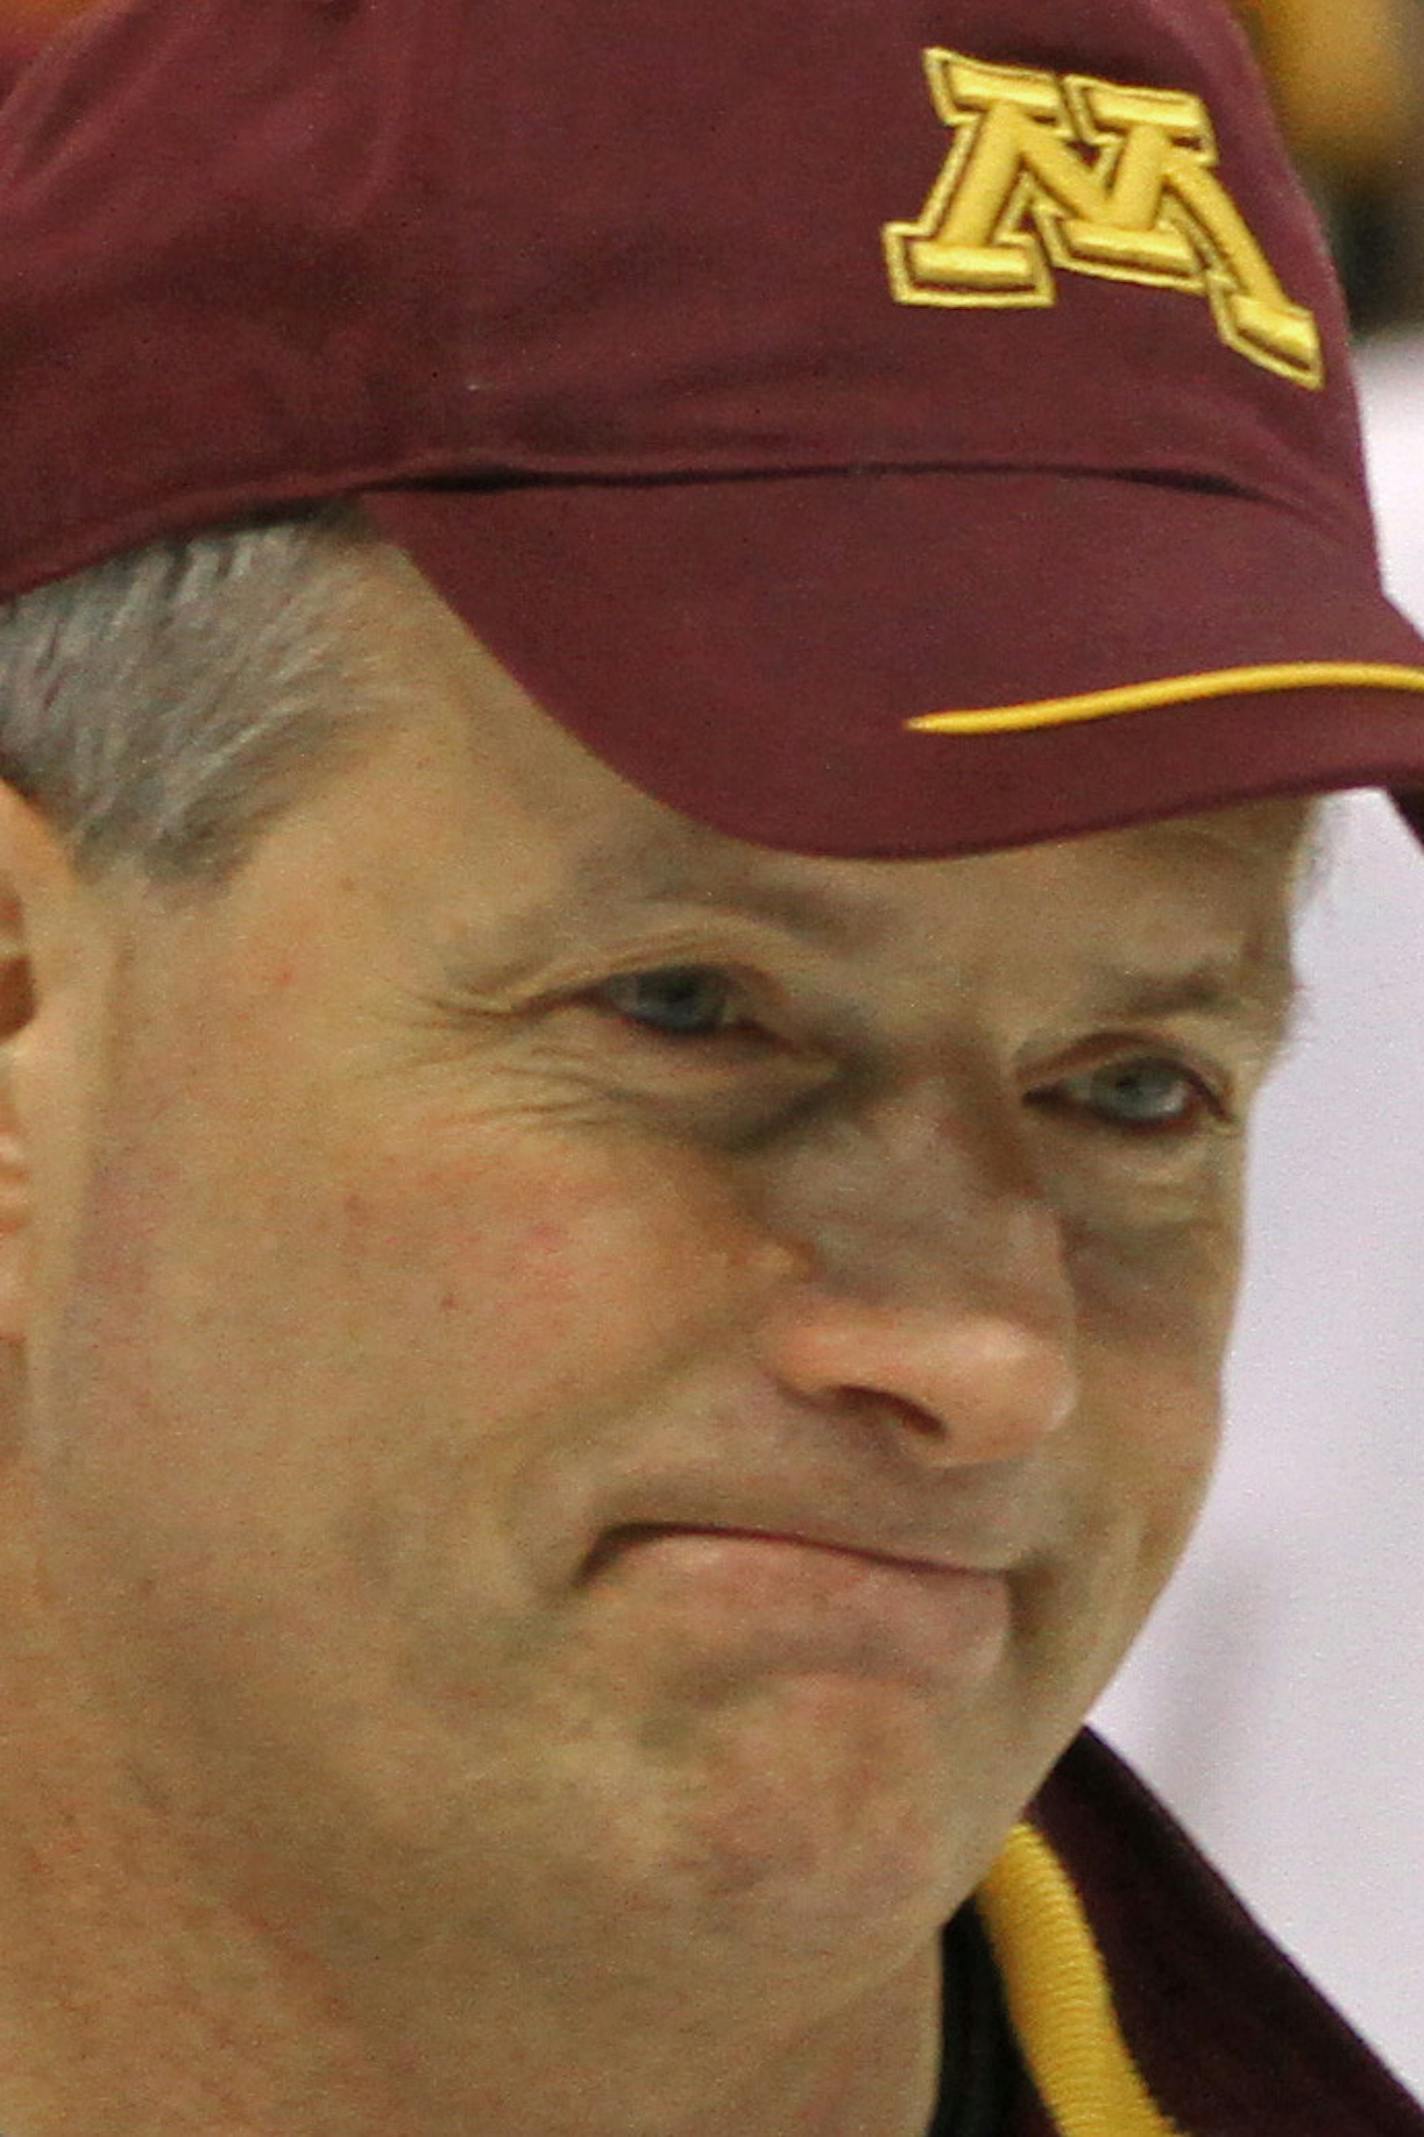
[[895, 664]]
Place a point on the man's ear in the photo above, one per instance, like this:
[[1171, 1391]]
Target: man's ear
[[39, 938]]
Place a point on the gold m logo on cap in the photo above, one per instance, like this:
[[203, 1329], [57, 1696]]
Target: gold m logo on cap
[[1064, 171]]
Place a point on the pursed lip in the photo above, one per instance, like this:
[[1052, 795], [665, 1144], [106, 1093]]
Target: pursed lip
[[813, 1535]]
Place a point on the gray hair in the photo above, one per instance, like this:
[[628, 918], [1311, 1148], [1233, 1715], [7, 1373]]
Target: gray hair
[[165, 708]]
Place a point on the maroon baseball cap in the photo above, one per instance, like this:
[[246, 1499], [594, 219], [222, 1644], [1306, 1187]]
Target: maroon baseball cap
[[873, 427]]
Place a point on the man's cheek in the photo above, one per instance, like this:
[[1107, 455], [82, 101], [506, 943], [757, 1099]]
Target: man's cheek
[[576, 1263], [1160, 1429]]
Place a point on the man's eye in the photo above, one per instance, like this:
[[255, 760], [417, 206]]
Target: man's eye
[[1148, 1096], [677, 1001]]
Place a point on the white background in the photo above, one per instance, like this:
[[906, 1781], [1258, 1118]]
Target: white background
[[1276, 1701]]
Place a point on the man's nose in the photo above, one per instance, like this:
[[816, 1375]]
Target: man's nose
[[934, 1293]]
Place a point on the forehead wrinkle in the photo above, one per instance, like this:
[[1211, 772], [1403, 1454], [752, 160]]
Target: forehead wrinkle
[[692, 864], [670, 859]]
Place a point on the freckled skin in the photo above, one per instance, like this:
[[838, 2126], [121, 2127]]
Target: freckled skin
[[347, 1322]]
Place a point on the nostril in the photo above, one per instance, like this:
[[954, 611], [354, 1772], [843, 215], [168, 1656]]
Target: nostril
[[876, 1406]]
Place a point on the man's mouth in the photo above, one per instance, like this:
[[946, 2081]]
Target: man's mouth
[[785, 1603]]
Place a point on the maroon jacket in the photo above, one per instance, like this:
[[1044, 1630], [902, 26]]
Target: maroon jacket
[[1230, 2037]]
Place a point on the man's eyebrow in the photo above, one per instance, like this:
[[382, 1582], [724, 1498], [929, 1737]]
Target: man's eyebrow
[[682, 867], [607, 887], [1260, 992]]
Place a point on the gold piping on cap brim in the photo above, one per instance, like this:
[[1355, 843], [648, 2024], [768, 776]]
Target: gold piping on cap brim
[[1174, 690]]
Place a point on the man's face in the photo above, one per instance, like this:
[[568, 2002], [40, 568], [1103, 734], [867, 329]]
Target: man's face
[[504, 1192]]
